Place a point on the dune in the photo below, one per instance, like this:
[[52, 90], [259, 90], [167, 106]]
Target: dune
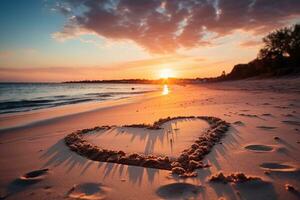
[[37, 164]]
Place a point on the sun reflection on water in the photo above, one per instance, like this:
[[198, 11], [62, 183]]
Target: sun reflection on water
[[165, 90]]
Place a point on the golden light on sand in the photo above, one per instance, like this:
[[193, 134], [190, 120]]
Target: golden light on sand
[[166, 73], [165, 90]]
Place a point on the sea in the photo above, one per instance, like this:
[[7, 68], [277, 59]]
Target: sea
[[24, 97]]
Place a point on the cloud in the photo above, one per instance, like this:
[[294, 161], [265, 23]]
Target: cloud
[[251, 43], [62, 8], [71, 30], [164, 26]]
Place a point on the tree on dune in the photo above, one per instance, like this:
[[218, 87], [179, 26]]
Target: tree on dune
[[284, 42], [279, 56]]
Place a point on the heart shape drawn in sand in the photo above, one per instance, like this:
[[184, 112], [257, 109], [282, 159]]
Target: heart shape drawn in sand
[[184, 165]]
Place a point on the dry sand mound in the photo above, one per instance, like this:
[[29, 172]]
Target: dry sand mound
[[259, 148], [233, 178], [245, 185], [90, 191], [179, 191]]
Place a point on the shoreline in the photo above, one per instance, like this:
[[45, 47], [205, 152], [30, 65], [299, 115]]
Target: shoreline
[[23, 119]]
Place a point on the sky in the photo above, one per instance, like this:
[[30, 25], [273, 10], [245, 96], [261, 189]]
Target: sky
[[53, 41]]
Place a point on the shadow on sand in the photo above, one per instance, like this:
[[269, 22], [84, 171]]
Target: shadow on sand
[[167, 137], [60, 155]]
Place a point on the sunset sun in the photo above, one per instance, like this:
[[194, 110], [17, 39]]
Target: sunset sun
[[166, 73]]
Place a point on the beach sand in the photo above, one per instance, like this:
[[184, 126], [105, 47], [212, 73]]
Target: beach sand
[[263, 142]]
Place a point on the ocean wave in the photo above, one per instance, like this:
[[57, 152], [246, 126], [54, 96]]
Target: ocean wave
[[27, 105], [28, 97]]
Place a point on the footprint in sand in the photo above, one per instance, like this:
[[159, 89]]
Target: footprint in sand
[[266, 115], [25, 181], [267, 127], [179, 191], [277, 167], [90, 191], [259, 148], [33, 176]]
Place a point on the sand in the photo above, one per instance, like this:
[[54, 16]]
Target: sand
[[182, 164], [170, 141], [32, 146]]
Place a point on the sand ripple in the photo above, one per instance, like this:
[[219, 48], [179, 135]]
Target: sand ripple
[[89, 191]]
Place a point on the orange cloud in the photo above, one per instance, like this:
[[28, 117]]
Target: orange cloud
[[163, 26]]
